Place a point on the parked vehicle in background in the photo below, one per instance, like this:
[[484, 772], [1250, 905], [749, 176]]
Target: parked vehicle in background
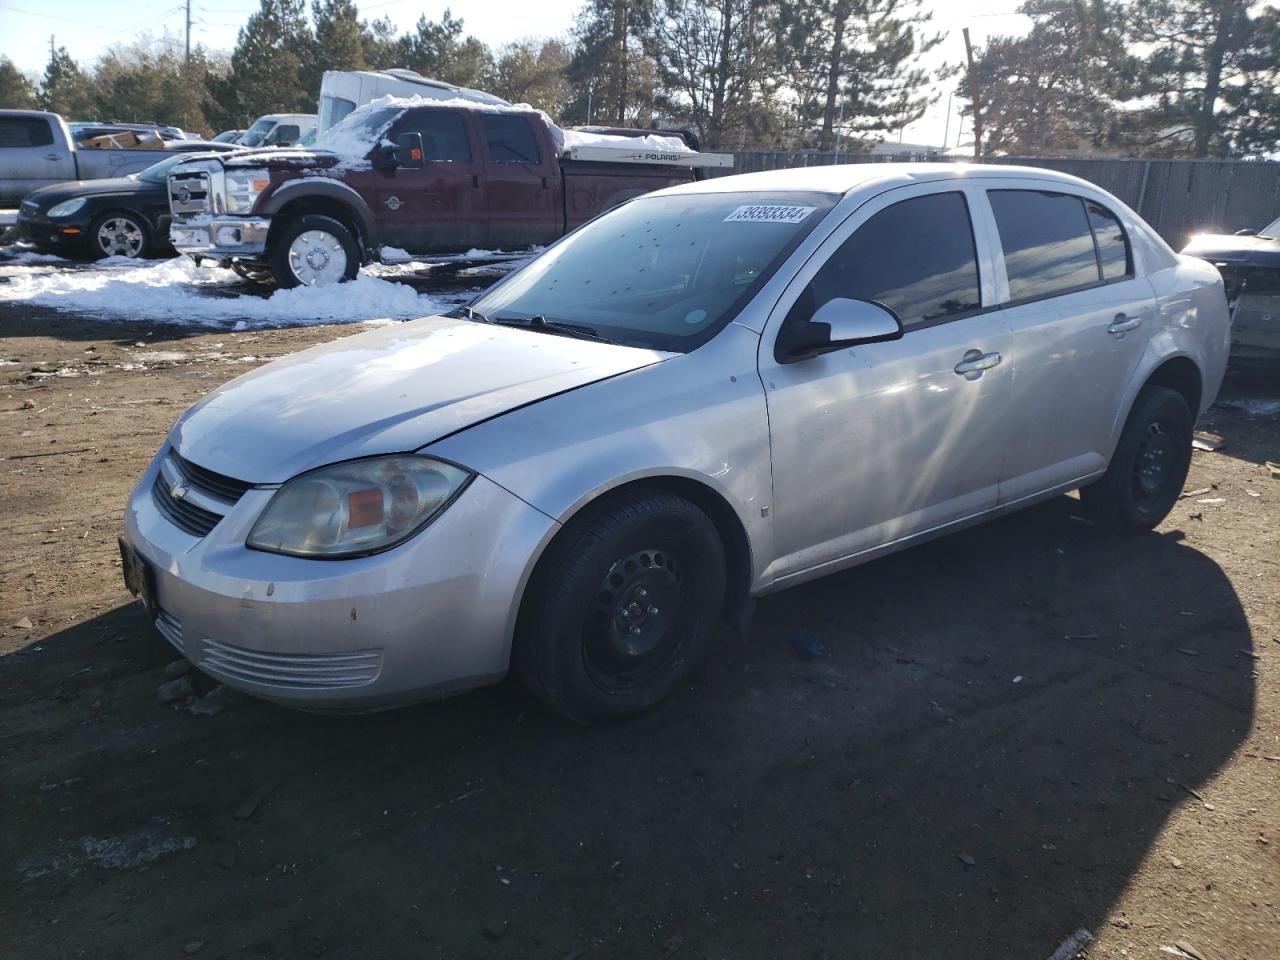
[[229, 136], [278, 129], [37, 149], [341, 91], [112, 217], [1249, 262], [82, 130], [460, 177], [710, 393]]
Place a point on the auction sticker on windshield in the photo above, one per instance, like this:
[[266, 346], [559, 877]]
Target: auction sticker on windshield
[[769, 213]]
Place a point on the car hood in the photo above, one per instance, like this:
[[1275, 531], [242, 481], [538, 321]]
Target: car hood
[[387, 391], [46, 197], [280, 158], [1225, 248]]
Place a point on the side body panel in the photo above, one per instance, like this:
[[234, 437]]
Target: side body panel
[[592, 188], [26, 168], [522, 203]]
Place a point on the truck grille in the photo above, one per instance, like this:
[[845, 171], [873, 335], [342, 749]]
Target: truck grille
[[178, 478], [189, 192]]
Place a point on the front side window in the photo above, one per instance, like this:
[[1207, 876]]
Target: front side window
[[510, 139], [1047, 241], [665, 272], [916, 257], [334, 109], [25, 132], [444, 135]]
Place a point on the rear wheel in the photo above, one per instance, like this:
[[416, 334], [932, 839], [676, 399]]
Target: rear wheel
[[1149, 466], [314, 251], [622, 607], [118, 234]]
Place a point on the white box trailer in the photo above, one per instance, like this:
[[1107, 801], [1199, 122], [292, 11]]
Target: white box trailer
[[341, 91]]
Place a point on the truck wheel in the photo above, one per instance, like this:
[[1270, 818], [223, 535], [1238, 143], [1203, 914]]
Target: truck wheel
[[118, 234], [314, 251], [622, 607], [1149, 466]]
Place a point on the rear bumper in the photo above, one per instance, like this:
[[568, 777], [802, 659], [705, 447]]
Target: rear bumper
[[221, 238]]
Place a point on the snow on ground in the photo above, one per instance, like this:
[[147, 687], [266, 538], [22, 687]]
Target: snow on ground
[[177, 291]]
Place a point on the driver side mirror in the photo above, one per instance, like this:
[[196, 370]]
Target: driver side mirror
[[837, 324], [406, 154], [1247, 232]]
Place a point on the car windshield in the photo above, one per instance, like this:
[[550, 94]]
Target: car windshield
[[1272, 230], [255, 133], [358, 131], [665, 272], [157, 172]]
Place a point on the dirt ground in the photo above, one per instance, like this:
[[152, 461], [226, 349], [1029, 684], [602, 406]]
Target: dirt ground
[[1012, 734]]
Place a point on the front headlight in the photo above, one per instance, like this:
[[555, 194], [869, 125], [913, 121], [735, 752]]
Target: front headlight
[[243, 187], [67, 207], [357, 508]]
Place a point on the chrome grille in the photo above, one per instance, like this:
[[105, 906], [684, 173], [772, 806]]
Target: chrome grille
[[292, 670], [189, 192], [197, 521], [214, 484]]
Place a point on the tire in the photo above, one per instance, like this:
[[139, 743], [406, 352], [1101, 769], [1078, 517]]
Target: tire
[[622, 607], [253, 272], [314, 261], [119, 233], [1149, 466]]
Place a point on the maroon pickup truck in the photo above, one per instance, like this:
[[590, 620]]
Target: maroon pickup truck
[[422, 177]]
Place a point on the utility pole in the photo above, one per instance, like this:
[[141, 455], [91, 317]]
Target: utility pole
[[973, 95], [51, 48], [188, 57], [946, 131]]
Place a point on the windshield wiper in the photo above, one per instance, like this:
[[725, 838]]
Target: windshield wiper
[[469, 314], [539, 322]]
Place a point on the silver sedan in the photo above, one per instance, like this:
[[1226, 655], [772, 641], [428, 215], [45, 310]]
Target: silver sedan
[[705, 395]]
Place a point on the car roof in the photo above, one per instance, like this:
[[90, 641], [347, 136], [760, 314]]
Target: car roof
[[844, 178]]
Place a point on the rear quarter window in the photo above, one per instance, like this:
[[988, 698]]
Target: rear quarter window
[[1047, 242], [510, 139], [25, 132]]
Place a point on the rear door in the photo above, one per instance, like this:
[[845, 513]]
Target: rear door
[[1081, 313], [438, 207], [31, 157], [522, 191]]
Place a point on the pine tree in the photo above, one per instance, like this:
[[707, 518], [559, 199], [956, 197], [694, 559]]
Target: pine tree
[[611, 78], [17, 92], [267, 65], [530, 72], [65, 88], [340, 40], [438, 49]]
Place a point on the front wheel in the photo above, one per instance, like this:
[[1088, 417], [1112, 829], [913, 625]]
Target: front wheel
[[622, 607], [1149, 466], [118, 234], [314, 251]]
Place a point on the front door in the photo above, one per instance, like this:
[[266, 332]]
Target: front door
[[523, 197], [435, 208], [873, 444], [1082, 315]]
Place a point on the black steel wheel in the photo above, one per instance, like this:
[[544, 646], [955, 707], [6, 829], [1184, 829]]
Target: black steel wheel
[[1149, 465], [622, 607]]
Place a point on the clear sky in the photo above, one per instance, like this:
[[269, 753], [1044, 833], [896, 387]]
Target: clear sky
[[87, 27]]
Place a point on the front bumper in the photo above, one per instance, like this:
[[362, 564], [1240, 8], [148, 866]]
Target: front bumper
[[65, 234], [428, 618], [221, 237]]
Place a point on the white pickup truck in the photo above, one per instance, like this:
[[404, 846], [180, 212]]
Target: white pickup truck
[[37, 149]]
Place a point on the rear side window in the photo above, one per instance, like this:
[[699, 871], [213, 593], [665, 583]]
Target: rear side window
[[1047, 241], [916, 257], [25, 132], [1114, 255], [444, 135], [511, 139]]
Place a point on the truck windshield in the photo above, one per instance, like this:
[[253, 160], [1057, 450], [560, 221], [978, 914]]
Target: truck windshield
[[333, 109], [1271, 231], [258, 131], [358, 132], [665, 272]]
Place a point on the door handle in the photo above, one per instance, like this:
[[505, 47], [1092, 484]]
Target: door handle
[[53, 156], [1122, 324], [475, 180], [974, 362]]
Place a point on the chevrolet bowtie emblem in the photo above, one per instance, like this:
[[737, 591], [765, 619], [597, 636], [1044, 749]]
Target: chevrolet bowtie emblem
[[177, 489]]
